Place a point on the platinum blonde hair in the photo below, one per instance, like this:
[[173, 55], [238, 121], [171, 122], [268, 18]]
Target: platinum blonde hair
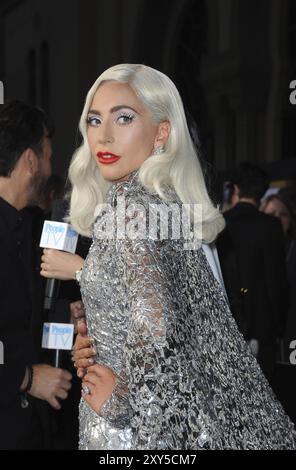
[[178, 167]]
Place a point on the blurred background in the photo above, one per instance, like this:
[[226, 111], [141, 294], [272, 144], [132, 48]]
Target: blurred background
[[232, 60]]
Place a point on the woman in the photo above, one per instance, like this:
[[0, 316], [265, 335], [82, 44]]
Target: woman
[[172, 371]]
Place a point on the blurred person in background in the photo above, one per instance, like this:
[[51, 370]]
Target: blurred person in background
[[280, 205], [28, 384], [252, 256]]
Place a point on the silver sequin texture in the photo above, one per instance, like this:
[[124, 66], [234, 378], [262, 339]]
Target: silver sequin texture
[[187, 379]]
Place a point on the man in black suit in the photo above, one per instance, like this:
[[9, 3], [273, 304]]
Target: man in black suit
[[27, 384], [251, 252]]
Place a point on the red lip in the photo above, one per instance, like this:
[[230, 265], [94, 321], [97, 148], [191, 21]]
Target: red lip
[[102, 159]]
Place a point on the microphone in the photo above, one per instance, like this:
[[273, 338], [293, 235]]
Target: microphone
[[59, 236], [52, 288]]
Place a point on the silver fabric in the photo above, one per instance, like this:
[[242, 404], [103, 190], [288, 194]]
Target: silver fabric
[[187, 379]]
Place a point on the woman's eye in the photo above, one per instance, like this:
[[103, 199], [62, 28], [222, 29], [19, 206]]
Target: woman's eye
[[125, 118], [93, 121]]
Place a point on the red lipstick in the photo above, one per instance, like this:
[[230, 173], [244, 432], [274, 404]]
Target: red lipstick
[[107, 157]]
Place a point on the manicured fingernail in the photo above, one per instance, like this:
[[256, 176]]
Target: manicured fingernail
[[91, 361]]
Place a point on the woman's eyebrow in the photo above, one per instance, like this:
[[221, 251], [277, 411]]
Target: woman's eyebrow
[[114, 109]]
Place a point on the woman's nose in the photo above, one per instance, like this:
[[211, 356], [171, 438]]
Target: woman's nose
[[105, 134], [106, 140]]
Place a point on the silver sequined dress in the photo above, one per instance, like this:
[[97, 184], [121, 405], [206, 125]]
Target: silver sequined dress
[[187, 379]]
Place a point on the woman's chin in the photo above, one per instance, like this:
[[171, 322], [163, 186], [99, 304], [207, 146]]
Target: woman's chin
[[110, 172], [115, 175]]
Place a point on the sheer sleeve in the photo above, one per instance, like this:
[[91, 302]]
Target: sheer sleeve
[[141, 396]]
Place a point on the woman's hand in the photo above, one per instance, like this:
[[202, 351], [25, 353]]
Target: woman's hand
[[61, 265], [77, 314], [83, 350], [99, 382]]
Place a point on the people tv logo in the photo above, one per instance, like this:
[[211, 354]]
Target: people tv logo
[[1, 93], [58, 235], [57, 336]]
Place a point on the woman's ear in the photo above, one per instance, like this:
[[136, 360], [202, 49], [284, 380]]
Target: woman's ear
[[164, 130]]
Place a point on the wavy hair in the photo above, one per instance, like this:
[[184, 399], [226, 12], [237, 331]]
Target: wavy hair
[[178, 167]]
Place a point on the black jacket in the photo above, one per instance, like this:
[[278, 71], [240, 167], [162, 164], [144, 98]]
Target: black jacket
[[20, 331], [252, 256]]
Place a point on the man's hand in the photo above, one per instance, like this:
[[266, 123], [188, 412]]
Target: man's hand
[[50, 383]]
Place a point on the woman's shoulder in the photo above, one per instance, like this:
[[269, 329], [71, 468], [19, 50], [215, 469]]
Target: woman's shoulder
[[140, 194]]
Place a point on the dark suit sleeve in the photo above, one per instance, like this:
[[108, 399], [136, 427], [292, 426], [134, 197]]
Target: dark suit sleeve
[[275, 275], [231, 276], [18, 353], [12, 372], [18, 327]]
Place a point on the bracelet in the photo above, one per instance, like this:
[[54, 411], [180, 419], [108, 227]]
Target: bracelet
[[24, 395], [78, 275]]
